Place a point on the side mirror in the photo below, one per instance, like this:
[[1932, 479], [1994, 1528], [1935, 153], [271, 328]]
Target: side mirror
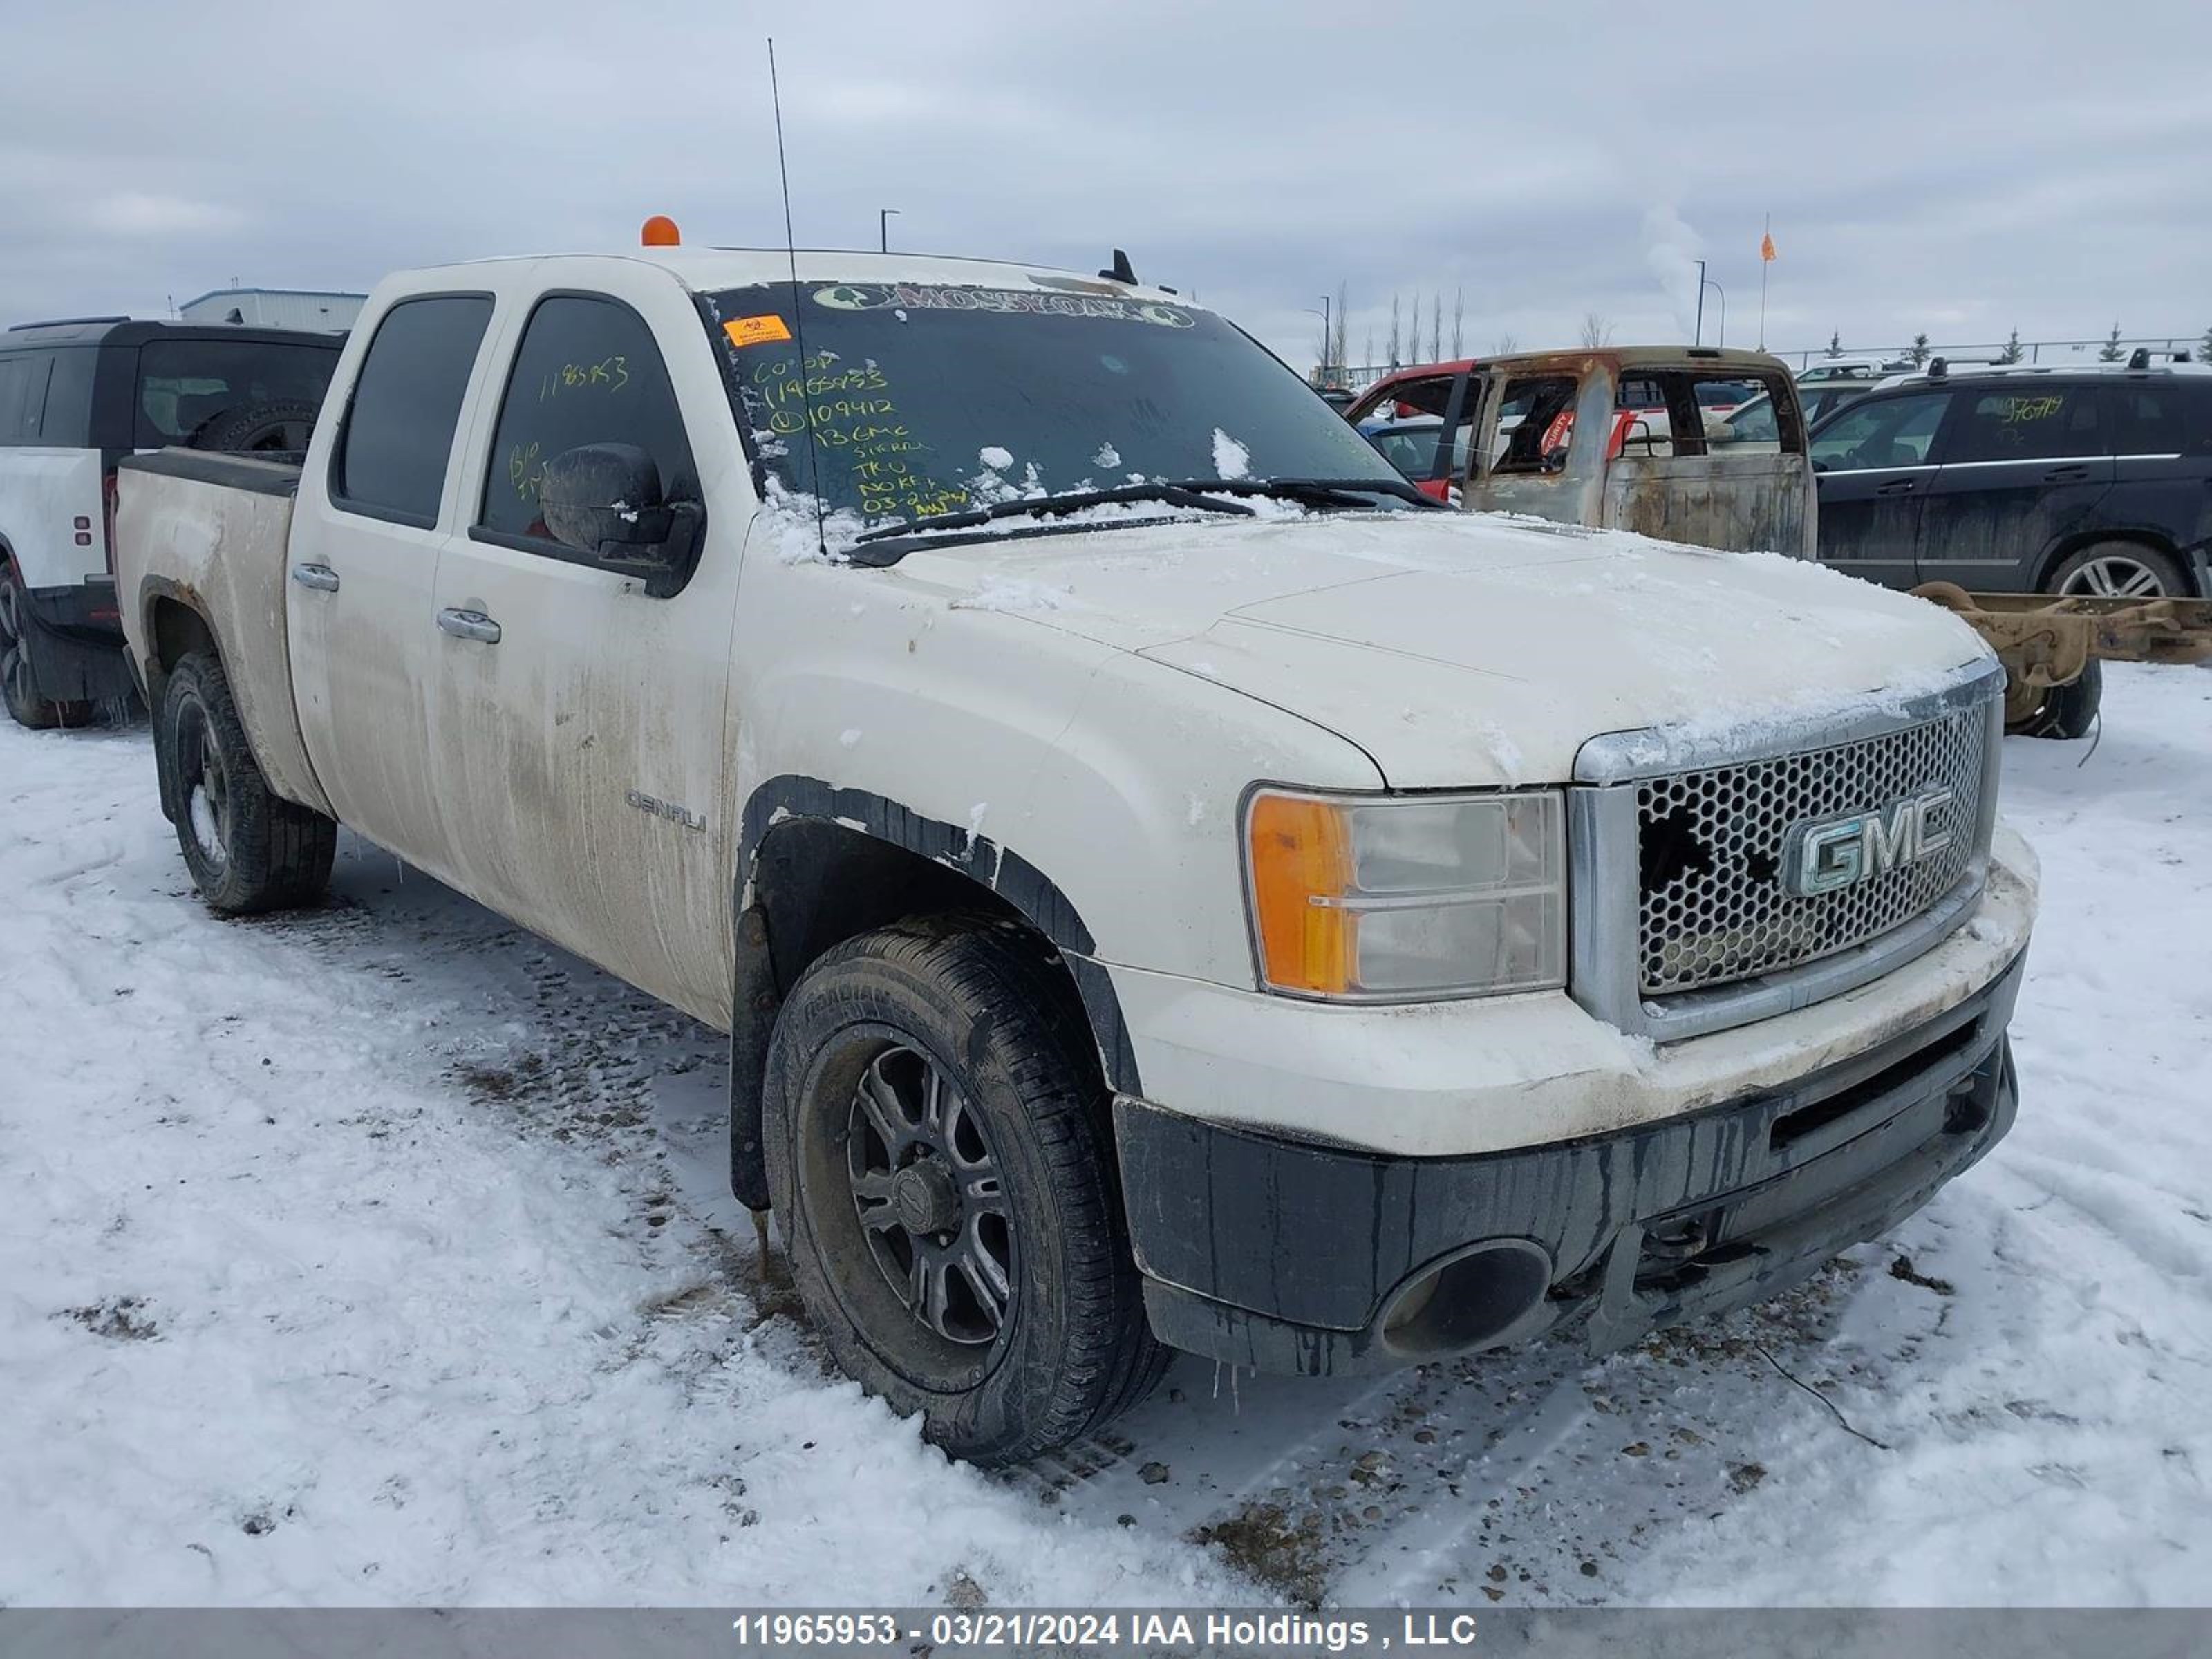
[[1718, 431], [604, 501]]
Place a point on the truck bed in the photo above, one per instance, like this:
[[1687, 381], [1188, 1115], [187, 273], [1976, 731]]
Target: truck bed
[[210, 532]]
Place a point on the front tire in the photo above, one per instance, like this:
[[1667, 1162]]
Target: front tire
[[248, 849], [940, 1159]]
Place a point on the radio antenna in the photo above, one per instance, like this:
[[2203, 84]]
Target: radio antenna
[[798, 307]]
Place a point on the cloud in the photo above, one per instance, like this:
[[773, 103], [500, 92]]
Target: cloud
[[1971, 180], [1672, 250], [148, 215]]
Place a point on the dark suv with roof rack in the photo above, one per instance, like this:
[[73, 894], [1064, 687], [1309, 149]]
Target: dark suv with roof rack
[[2087, 480], [77, 396]]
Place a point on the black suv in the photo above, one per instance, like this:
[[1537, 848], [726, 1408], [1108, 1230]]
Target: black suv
[[2082, 480]]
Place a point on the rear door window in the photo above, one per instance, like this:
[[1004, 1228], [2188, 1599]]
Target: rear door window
[[391, 459], [2023, 423], [587, 372], [2145, 420]]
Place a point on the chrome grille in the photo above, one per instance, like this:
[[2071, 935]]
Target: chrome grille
[[1711, 908]]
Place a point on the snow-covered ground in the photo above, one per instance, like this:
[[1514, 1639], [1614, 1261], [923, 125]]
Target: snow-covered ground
[[383, 1253]]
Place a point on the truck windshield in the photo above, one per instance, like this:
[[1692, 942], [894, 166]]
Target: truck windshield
[[928, 400]]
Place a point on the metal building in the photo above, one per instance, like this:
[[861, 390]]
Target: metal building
[[275, 307]]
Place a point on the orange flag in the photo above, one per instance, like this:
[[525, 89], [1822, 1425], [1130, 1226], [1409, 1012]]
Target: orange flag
[[1766, 246]]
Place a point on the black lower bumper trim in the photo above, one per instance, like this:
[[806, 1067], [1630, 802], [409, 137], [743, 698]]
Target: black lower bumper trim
[[1312, 1260]]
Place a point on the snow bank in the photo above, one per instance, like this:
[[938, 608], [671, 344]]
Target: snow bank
[[385, 1254]]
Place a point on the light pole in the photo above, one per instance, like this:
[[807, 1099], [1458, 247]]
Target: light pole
[[884, 218], [1327, 339], [1705, 282]]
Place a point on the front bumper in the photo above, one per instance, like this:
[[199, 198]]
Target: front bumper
[[1296, 1257], [74, 636]]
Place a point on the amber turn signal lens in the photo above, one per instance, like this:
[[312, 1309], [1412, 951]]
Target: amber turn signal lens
[[1301, 852]]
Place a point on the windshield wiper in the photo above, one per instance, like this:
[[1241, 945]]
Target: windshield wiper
[[1313, 492], [1047, 506]]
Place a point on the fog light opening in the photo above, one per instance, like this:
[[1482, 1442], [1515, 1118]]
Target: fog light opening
[[1469, 1300]]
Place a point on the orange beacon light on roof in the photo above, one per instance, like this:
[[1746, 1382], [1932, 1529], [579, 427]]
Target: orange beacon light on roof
[[660, 232]]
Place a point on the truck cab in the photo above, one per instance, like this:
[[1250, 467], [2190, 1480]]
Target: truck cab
[[1169, 884]]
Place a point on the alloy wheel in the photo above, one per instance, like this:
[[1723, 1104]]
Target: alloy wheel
[[206, 784], [2115, 576], [930, 1197]]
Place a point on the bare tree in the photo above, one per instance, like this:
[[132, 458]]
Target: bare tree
[[1343, 322], [1393, 331], [1597, 331], [1505, 346], [1367, 351], [1436, 325], [1459, 323]]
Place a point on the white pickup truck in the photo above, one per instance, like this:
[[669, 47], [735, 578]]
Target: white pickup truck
[[1167, 885]]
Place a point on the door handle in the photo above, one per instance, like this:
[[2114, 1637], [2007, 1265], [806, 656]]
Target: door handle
[[320, 577], [1897, 487], [469, 625], [2066, 475]]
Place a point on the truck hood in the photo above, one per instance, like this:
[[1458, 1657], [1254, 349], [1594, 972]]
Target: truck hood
[[1470, 649]]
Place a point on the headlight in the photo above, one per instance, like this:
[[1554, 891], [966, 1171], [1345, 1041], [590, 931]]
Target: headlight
[[1368, 899]]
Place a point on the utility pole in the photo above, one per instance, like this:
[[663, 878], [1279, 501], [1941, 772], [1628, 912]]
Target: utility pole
[[884, 218], [1699, 339]]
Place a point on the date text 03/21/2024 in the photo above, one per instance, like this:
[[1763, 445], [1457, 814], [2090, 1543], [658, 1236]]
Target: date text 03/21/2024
[[1013, 1628]]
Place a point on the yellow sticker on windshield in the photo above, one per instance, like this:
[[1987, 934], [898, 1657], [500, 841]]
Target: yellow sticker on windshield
[[756, 331]]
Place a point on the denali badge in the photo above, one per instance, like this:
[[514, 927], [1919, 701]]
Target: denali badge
[[1825, 855], [666, 809]]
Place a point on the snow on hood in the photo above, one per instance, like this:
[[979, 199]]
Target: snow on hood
[[1466, 650]]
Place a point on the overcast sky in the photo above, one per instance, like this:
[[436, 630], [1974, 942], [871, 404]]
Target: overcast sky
[[1955, 168]]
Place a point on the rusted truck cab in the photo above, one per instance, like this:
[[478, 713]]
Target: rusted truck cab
[[1633, 438]]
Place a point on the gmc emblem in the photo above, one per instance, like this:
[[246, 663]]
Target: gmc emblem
[[1826, 855]]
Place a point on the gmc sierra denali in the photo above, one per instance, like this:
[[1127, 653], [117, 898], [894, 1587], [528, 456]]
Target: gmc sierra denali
[[1169, 885]]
